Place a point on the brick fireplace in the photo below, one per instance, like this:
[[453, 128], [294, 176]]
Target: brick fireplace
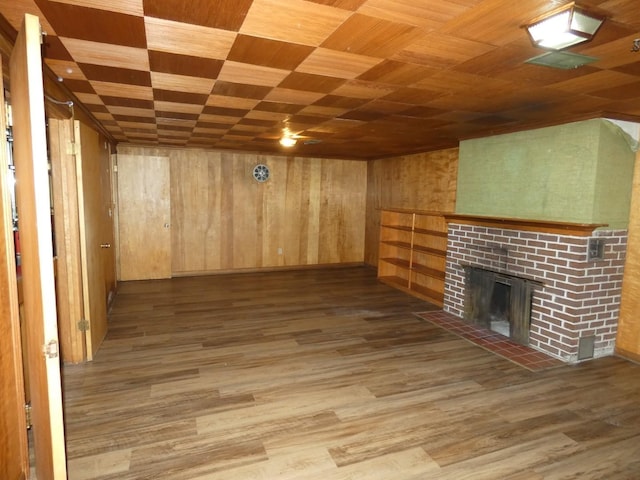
[[576, 299]]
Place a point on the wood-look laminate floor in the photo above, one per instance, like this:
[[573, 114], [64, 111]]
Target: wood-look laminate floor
[[328, 375]]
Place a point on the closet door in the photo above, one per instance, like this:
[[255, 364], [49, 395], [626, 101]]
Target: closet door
[[34, 217], [96, 227], [144, 215]]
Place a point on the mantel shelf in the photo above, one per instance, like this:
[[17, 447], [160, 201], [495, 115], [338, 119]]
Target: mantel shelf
[[529, 225]]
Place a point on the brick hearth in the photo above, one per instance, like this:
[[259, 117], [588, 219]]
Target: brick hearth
[[577, 299]]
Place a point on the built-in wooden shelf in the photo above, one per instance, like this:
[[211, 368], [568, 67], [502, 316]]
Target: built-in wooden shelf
[[529, 225], [412, 253]]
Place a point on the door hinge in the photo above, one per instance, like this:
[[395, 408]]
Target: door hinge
[[72, 148], [83, 325], [51, 349], [27, 414]]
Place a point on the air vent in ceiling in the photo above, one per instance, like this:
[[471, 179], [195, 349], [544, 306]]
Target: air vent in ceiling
[[561, 60]]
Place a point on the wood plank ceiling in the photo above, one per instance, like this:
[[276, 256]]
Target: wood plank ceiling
[[364, 78]]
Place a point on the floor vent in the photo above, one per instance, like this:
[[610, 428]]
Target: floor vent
[[586, 347]]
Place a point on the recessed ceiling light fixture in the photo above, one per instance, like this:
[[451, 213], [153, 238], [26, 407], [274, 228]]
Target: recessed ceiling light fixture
[[564, 27]]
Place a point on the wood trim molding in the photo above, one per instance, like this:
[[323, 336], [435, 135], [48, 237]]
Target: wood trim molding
[[413, 210], [529, 225]]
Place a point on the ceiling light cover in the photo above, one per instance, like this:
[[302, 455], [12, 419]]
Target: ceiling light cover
[[288, 141], [563, 28], [561, 60]]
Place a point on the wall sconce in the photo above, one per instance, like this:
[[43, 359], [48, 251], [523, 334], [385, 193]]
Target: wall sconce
[[564, 27]]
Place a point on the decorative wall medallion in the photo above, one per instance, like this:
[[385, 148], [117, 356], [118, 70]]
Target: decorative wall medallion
[[261, 173]]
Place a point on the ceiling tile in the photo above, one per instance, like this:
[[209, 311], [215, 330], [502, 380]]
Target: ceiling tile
[[266, 52], [310, 82], [130, 7], [337, 64], [118, 89], [352, 5], [427, 15], [224, 14], [286, 95], [185, 39], [131, 112], [224, 111], [101, 26], [116, 75], [398, 73], [232, 102], [252, 75], [374, 37], [239, 90], [84, 51], [65, 70], [295, 21], [440, 50], [184, 64], [181, 83], [127, 102], [79, 86], [52, 47], [362, 89], [164, 106], [180, 97]]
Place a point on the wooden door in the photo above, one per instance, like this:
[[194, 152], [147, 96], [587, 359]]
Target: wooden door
[[144, 213], [94, 239], [67, 231], [13, 426], [34, 216]]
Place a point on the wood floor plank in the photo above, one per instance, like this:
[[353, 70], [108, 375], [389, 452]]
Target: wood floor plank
[[328, 374]]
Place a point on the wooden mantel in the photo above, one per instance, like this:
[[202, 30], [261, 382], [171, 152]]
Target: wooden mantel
[[546, 226]]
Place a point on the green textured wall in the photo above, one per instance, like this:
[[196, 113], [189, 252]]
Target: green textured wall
[[614, 178], [579, 172]]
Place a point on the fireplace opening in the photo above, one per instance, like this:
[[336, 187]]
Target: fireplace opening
[[499, 320], [499, 302]]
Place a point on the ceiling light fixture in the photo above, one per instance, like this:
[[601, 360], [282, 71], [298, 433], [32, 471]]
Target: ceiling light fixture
[[564, 27], [288, 139]]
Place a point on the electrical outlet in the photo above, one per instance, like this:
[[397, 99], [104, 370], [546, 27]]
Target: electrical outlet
[[279, 250]]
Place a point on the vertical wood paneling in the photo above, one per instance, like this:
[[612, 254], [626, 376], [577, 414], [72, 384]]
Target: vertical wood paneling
[[628, 339], [310, 211], [425, 181], [342, 221], [189, 189], [246, 213]]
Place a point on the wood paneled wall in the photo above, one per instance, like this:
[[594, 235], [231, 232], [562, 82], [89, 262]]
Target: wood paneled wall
[[425, 181], [628, 339], [310, 211]]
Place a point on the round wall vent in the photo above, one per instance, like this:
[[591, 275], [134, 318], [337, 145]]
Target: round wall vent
[[261, 173]]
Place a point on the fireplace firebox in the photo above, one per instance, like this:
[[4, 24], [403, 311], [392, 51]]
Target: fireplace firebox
[[499, 302]]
